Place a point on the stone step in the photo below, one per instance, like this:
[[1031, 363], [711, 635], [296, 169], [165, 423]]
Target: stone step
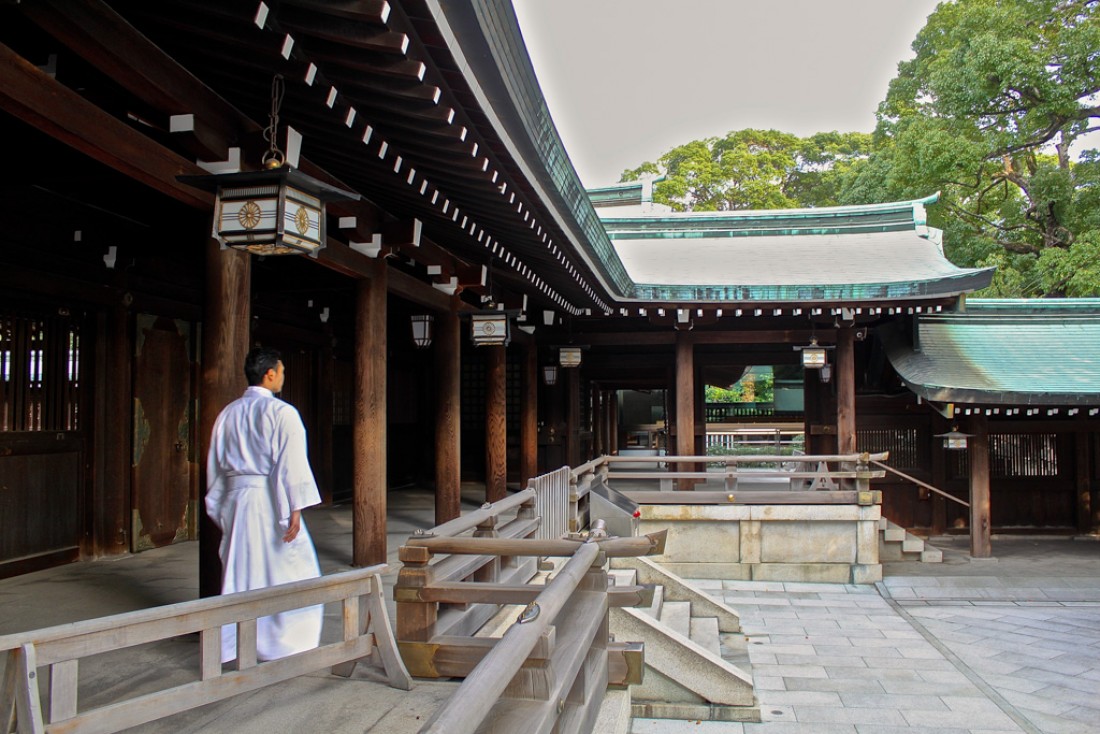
[[883, 523], [704, 633], [676, 615], [622, 576], [912, 544], [654, 609], [931, 555], [894, 534]]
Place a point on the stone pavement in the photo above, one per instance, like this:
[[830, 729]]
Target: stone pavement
[[1005, 645], [990, 646]]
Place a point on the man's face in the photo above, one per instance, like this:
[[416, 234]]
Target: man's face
[[273, 380]]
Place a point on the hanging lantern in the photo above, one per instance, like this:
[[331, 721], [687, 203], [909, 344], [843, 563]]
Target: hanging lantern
[[422, 329], [954, 440], [550, 374], [274, 211], [826, 372], [490, 328], [569, 356], [813, 356], [278, 211]]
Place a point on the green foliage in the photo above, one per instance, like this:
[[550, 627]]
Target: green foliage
[[754, 169], [754, 387], [986, 113]]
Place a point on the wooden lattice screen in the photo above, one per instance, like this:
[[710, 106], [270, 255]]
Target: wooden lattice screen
[[39, 373]]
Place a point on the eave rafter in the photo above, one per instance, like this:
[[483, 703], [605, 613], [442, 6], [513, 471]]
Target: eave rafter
[[495, 220]]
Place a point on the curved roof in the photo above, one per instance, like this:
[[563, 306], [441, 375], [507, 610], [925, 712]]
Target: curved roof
[[851, 253], [1003, 353]]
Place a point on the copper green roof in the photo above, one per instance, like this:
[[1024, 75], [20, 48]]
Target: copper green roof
[[831, 254], [1027, 352]]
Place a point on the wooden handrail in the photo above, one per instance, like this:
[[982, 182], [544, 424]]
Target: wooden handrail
[[804, 459], [470, 704], [366, 631], [613, 547], [926, 485], [472, 519]]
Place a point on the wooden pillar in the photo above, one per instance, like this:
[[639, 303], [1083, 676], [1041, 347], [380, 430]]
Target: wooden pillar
[[939, 479], [613, 422], [111, 507], [599, 419], [225, 342], [685, 401], [496, 429], [529, 416], [326, 385], [572, 415], [369, 420], [845, 376], [978, 444], [1084, 486], [448, 416]]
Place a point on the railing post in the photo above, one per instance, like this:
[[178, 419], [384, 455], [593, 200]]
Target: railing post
[[415, 619]]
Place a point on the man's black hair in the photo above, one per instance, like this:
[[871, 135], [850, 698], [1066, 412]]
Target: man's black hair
[[258, 362]]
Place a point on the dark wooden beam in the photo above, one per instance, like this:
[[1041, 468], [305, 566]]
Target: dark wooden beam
[[31, 95]]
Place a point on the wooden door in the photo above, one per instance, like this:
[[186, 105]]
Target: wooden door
[[161, 510]]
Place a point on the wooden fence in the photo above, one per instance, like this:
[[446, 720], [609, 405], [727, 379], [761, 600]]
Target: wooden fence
[[549, 670], [366, 633]]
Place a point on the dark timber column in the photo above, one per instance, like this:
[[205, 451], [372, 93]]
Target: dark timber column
[[225, 341], [1084, 489], [939, 478], [327, 381], [599, 423], [111, 508], [978, 443], [496, 429], [572, 415], [845, 376], [369, 422], [448, 416], [529, 416], [613, 421], [685, 401]]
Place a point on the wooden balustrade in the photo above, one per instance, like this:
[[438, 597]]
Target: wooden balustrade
[[366, 632], [550, 668]]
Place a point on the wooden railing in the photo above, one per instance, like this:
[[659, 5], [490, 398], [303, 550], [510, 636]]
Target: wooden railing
[[366, 631], [551, 666], [809, 478]]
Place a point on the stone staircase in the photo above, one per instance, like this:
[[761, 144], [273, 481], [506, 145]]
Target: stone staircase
[[895, 543], [697, 662]]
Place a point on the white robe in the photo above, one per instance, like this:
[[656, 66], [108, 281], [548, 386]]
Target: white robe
[[257, 474]]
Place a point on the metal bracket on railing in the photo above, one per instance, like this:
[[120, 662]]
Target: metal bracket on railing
[[529, 614]]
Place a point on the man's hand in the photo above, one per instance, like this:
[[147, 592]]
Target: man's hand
[[295, 526]]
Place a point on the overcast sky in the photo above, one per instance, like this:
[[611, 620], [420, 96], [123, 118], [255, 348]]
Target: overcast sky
[[627, 80]]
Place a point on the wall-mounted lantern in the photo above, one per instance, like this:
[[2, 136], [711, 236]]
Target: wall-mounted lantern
[[422, 329], [569, 356], [550, 374], [954, 439]]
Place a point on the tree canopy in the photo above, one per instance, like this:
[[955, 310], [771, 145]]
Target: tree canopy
[[990, 112], [754, 169]]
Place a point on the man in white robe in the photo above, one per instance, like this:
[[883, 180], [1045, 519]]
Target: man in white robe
[[258, 482]]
